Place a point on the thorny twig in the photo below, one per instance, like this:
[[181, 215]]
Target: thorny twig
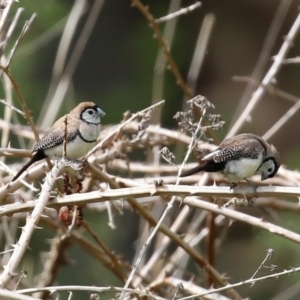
[[179, 13], [19, 40], [179, 79], [12, 107], [268, 78], [270, 254], [122, 125], [244, 282]]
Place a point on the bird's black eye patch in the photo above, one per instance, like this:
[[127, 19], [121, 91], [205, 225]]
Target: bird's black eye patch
[[90, 112], [270, 169]]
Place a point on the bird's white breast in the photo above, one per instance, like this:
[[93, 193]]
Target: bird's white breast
[[236, 170], [74, 149]]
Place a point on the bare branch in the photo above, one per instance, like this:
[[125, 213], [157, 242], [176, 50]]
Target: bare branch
[[270, 76], [179, 79], [179, 13]]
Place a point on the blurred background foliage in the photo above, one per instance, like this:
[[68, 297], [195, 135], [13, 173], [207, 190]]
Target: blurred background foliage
[[116, 71]]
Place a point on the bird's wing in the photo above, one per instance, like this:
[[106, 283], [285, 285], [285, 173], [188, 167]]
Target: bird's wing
[[251, 149], [55, 136], [53, 139]]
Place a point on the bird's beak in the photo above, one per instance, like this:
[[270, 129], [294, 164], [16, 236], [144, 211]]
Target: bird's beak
[[263, 176], [100, 112]]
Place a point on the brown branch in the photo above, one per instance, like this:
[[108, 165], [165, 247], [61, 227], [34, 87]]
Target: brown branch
[[65, 137], [157, 33], [89, 247], [210, 243], [116, 266]]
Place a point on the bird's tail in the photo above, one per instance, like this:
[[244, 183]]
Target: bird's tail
[[38, 156], [193, 171]]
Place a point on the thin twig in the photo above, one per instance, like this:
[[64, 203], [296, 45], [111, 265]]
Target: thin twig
[[122, 125], [287, 116], [178, 13], [14, 295], [264, 55], [115, 263], [190, 287], [269, 255], [160, 66], [200, 51], [7, 112], [11, 28], [72, 22], [279, 124], [19, 39], [244, 282], [179, 79], [23, 103], [9, 171], [90, 289], [42, 40], [111, 222], [271, 89], [294, 60], [4, 13], [288, 41], [12, 107]]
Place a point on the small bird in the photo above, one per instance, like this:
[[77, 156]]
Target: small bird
[[240, 157], [83, 128]]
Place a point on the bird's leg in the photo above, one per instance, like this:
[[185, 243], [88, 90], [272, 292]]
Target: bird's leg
[[254, 186], [232, 185]]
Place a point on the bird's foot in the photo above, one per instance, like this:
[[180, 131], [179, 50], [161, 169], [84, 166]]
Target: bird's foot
[[73, 163], [74, 171], [254, 186]]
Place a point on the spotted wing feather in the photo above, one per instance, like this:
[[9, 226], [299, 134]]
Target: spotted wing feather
[[52, 139], [227, 151], [55, 136]]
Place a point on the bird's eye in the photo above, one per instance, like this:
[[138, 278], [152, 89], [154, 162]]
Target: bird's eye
[[90, 112], [270, 170]]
